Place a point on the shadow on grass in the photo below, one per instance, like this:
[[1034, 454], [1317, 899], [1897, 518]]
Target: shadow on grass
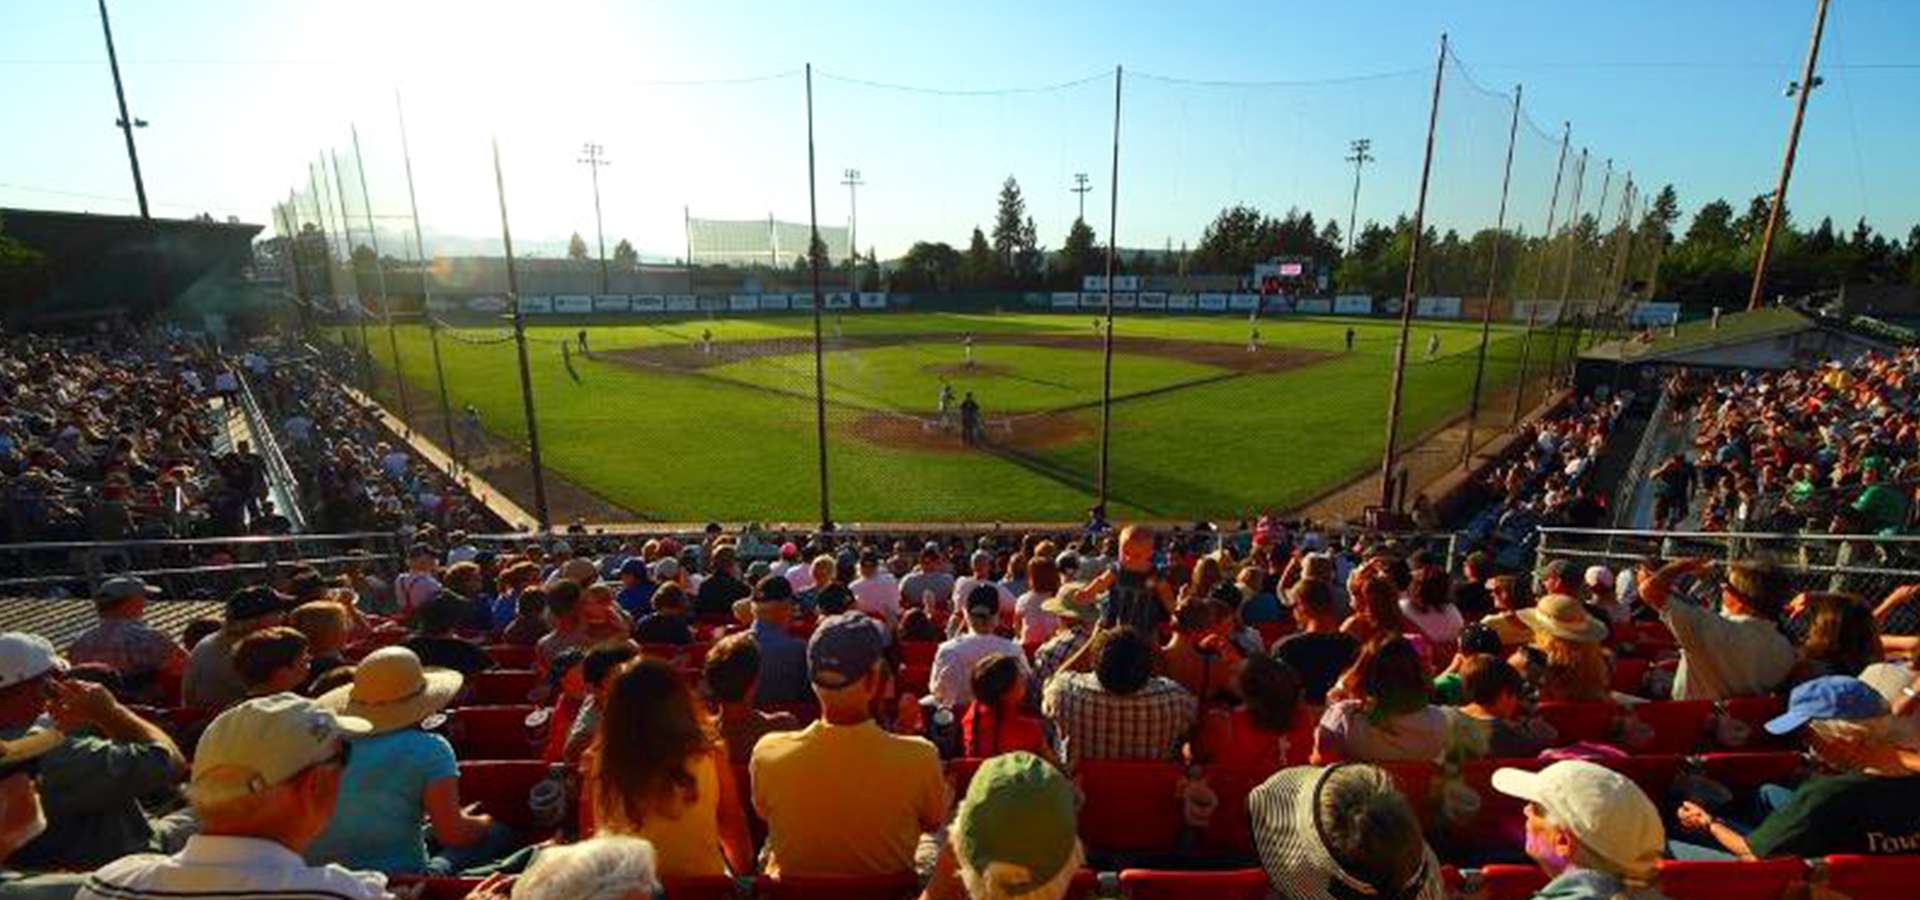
[[1063, 475]]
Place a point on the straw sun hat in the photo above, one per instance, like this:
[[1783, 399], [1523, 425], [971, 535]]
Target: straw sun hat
[[392, 690]]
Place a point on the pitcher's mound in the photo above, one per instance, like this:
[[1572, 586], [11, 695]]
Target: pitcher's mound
[[1022, 433]]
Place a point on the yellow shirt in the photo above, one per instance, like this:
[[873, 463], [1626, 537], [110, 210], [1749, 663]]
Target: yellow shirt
[[845, 800], [686, 844]]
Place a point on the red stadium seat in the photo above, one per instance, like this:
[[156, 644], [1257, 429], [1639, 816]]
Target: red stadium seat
[[1131, 807], [501, 788], [492, 732], [511, 656], [1148, 884], [1229, 831], [918, 653], [1085, 885], [1755, 711], [914, 679], [1577, 722], [1746, 772], [1628, 674], [1764, 879], [1504, 882], [1678, 725], [500, 687], [1874, 877], [435, 888], [1653, 773], [877, 887], [1415, 780], [715, 887]]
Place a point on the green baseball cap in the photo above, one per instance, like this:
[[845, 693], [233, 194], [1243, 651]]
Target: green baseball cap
[[1018, 810]]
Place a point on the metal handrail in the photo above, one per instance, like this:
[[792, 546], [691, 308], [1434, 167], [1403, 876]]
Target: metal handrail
[[164, 543], [1732, 535], [1637, 469], [277, 468]]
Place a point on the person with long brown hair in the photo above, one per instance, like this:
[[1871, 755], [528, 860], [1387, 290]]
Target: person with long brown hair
[[658, 770], [1577, 668], [996, 722], [1842, 638], [1388, 715]]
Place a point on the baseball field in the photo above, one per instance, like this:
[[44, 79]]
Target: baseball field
[[699, 419]]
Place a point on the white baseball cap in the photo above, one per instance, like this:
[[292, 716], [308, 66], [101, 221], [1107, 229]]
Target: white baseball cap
[[263, 742], [1599, 576], [1607, 813], [24, 657]]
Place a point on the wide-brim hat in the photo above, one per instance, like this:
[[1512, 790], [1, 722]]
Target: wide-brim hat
[[1564, 617], [1066, 603], [392, 690], [1283, 813]]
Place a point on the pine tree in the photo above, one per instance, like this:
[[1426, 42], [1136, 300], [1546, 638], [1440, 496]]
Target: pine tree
[[576, 247], [1009, 221]]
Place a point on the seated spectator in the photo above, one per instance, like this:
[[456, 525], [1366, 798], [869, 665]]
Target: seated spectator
[[1119, 709], [669, 622], [657, 770], [1428, 607], [529, 622], [1489, 722], [1077, 616], [722, 585], [1602, 600], [731, 671], [980, 574], [997, 720], [1472, 595], [566, 686], [419, 582], [1013, 835], [1577, 667], [1331, 832], [841, 797], [581, 618], [272, 661], [1842, 638], [91, 785], [1866, 808], [820, 576], [636, 589], [832, 600], [1262, 605], [876, 592], [1320, 651], [508, 585], [1589, 828], [1475, 639], [400, 777], [611, 867], [210, 680], [149, 662], [1736, 652], [1388, 717], [1043, 581], [324, 623], [951, 684], [1376, 609], [597, 668], [434, 642], [1201, 657], [266, 775], [1510, 595], [783, 657], [1255, 731]]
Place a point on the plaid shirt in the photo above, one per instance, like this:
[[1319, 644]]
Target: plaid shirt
[[131, 647], [1053, 654], [1095, 723]]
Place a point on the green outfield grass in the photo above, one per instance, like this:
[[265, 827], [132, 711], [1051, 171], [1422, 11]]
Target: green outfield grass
[[717, 444]]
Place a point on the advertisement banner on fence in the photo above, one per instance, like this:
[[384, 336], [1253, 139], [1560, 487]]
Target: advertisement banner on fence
[[1540, 312], [538, 303], [441, 304], [713, 304], [1438, 308], [1655, 312], [649, 303], [572, 303], [873, 301], [1213, 302], [1244, 302], [1093, 300], [682, 303], [1314, 307], [1353, 305], [838, 300], [612, 303], [1153, 300], [1063, 300], [1125, 300], [1180, 301], [782, 301], [487, 304], [1120, 283], [743, 302], [1278, 303]]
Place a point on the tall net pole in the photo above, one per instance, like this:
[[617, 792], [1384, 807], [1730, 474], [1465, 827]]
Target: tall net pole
[[1808, 81], [1493, 280], [520, 347], [1106, 348], [426, 290], [380, 279], [819, 357], [1387, 494], [359, 314]]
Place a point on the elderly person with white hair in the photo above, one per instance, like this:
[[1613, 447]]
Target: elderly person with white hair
[[603, 868], [1870, 806], [1012, 836], [1591, 829]]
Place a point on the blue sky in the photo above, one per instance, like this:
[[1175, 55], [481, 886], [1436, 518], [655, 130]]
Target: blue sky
[[1224, 102]]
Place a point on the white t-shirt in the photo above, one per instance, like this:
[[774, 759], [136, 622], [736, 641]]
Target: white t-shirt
[[1440, 626], [965, 586], [1036, 624], [214, 867], [951, 683], [1724, 656], [878, 595]]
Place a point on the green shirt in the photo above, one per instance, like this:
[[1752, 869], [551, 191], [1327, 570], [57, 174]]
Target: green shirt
[[1852, 813], [1884, 508], [91, 789]]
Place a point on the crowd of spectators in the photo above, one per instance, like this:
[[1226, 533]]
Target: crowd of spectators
[[1826, 449], [1549, 479], [836, 675]]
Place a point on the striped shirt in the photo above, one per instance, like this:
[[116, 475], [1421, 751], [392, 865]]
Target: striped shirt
[[224, 867]]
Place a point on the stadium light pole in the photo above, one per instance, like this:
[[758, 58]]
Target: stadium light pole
[[380, 280], [1106, 357], [1081, 187], [1407, 295], [851, 178], [596, 156], [520, 347], [1493, 279], [1360, 157], [819, 360], [426, 290], [126, 123], [1799, 90]]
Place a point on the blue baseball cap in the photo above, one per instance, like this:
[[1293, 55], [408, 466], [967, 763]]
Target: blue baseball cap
[[1829, 697], [843, 649]]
